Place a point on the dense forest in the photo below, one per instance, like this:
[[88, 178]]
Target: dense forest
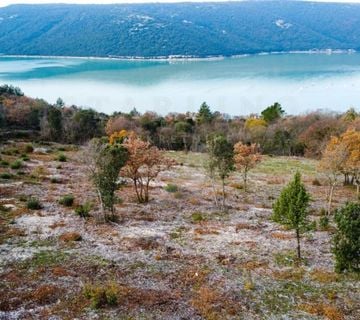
[[273, 130], [191, 29]]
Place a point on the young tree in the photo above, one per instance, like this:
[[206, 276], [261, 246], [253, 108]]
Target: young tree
[[144, 164], [104, 163], [332, 164], [291, 208], [52, 124], [347, 238], [246, 157], [221, 161]]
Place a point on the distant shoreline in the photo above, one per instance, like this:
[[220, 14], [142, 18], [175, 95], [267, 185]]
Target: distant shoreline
[[185, 58]]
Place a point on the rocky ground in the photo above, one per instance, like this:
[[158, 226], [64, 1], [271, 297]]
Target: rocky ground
[[177, 257]]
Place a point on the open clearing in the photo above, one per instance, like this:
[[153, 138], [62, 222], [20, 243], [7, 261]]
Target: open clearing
[[177, 257]]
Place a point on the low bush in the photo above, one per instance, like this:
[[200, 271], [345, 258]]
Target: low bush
[[102, 295], [25, 157], [33, 204], [83, 210], [55, 180], [17, 164], [197, 217], [67, 200], [172, 188], [61, 157], [4, 163], [324, 223], [316, 182], [29, 148], [6, 175]]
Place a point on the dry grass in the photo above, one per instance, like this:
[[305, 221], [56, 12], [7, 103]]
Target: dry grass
[[281, 236], [328, 311], [289, 274], [205, 231], [45, 294], [324, 276], [70, 237], [245, 226]]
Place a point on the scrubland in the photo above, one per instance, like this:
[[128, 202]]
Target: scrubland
[[176, 257]]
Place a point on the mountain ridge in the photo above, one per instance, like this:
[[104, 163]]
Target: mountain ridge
[[179, 29]]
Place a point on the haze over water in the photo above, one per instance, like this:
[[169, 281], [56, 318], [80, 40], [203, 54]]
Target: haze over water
[[237, 86]]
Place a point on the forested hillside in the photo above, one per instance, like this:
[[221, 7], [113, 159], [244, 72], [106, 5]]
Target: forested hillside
[[191, 29]]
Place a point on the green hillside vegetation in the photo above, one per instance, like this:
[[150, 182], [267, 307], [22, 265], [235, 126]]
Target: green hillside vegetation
[[192, 29]]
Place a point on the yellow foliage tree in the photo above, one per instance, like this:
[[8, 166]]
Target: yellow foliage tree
[[118, 137], [351, 140], [341, 156]]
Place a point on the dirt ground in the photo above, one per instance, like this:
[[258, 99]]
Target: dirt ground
[[177, 257]]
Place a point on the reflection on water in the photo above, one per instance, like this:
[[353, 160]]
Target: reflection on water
[[300, 82]]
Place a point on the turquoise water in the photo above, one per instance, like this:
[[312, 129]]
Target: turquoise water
[[300, 82]]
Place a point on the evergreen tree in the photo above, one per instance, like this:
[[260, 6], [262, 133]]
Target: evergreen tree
[[347, 238], [272, 113], [221, 161], [204, 114], [291, 208], [106, 163]]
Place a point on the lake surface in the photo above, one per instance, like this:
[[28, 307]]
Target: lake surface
[[237, 86]]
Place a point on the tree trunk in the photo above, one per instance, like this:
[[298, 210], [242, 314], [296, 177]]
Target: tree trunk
[[214, 190], [137, 190], [245, 180], [331, 192], [147, 191], [223, 192], [102, 206], [298, 244]]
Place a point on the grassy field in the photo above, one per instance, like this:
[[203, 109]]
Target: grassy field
[[177, 257]]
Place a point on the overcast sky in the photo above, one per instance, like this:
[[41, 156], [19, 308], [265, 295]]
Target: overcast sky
[[8, 2]]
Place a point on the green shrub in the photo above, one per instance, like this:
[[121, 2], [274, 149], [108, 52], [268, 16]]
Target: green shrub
[[102, 295], [67, 200], [25, 157], [11, 151], [324, 222], [83, 210], [171, 188], [17, 164], [61, 157], [55, 180], [4, 163], [6, 175], [346, 239], [197, 217], [33, 204], [29, 148]]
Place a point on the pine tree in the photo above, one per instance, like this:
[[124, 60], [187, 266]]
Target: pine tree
[[204, 114], [291, 208], [221, 161], [347, 238]]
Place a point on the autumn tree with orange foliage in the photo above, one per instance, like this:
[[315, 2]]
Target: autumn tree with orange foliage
[[332, 164], [144, 164], [351, 140], [246, 157]]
